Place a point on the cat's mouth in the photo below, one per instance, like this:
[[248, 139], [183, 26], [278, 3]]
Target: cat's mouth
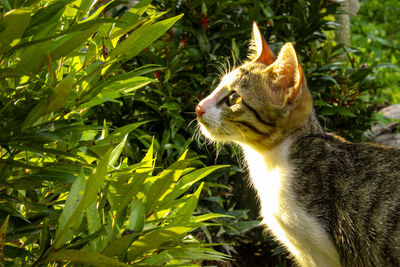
[[211, 129]]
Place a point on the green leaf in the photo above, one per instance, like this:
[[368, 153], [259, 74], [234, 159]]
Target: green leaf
[[184, 213], [155, 239], [12, 26], [137, 216], [321, 103], [50, 175], [171, 106], [33, 57], [98, 11], [141, 38], [165, 182], [197, 253], [93, 185], [191, 178], [135, 12], [328, 111], [115, 87], [45, 15], [345, 112], [3, 230], [94, 225], [84, 9], [136, 184], [13, 212], [117, 151], [210, 216], [12, 72], [114, 138], [13, 252], [72, 41], [130, 18], [84, 257], [120, 245], [57, 100], [71, 204], [45, 237], [240, 227]]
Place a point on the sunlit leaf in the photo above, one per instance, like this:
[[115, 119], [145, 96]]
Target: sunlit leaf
[[137, 40], [154, 239], [55, 101]]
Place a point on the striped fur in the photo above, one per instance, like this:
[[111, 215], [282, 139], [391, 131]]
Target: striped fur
[[328, 201]]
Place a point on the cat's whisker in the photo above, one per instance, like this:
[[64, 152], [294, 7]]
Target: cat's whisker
[[329, 201], [190, 123], [218, 68], [229, 66]]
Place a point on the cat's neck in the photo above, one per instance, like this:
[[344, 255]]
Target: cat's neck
[[310, 127]]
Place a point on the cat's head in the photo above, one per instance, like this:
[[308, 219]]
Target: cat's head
[[259, 103]]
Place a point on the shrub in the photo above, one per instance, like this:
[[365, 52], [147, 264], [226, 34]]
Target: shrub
[[69, 190], [375, 33]]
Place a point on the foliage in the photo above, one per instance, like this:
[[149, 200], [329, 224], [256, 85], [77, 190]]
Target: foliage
[[87, 89], [69, 190], [195, 55], [376, 33]]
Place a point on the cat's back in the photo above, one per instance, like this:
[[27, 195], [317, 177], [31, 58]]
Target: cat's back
[[354, 190]]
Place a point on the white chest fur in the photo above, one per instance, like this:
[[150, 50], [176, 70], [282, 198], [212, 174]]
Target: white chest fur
[[271, 175]]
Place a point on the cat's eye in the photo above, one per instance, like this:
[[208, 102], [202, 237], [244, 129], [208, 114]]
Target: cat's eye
[[234, 98]]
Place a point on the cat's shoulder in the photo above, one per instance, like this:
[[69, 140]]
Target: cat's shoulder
[[326, 146]]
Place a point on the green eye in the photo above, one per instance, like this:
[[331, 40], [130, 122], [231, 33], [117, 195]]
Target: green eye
[[234, 99]]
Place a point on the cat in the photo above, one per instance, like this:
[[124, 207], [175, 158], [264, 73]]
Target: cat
[[328, 201]]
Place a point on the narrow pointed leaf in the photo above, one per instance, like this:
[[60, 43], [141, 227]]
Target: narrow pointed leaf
[[117, 151], [165, 182], [71, 204], [12, 27], [137, 216], [191, 178], [93, 185], [142, 37], [154, 239], [185, 212], [3, 230], [84, 257], [58, 99]]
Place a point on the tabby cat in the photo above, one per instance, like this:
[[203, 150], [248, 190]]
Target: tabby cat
[[328, 201]]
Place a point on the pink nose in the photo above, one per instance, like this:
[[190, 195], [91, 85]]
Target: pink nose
[[199, 109]]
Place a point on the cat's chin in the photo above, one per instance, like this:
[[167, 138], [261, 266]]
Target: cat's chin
[[207, 133], [215, 137]]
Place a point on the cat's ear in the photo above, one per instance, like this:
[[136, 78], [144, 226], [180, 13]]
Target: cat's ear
[[260, 49], [287, 76]]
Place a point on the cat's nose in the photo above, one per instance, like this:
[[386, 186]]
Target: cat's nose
[[199, 109]]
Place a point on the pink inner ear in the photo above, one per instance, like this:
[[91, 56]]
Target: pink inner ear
[[264, 53], [288, 76], [266, 56]]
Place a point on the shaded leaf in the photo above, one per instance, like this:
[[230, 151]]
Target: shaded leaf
[[137, 216], [93, 184], [12, 27], [84, 257]]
